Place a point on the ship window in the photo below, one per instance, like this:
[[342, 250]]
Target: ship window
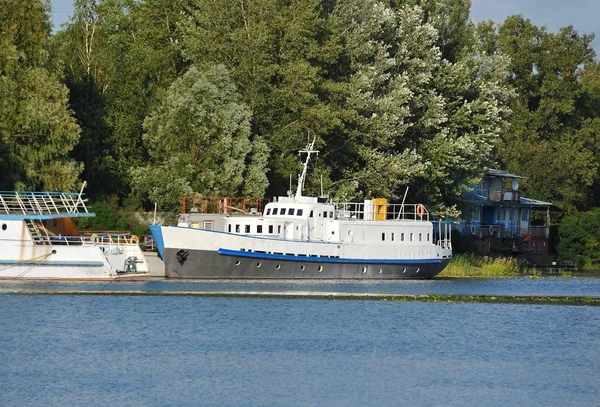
[[208, 225], [270, 228], [4, 226], [299, 212], [259, 229], [331, 214], [412, 237], [420, 237], [524, 215], [310, 215], [237, 228], [291, 211], [278, 228], [402, 237], [275, 211], [383, 237], [392, 236], [247, 228], [229, 228], [325, 214], [269, 211], [282, 211]]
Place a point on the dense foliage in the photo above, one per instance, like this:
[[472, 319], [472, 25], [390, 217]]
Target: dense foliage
[[151, 99], [580, 236]]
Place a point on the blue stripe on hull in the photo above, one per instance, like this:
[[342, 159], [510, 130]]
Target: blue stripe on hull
[[268, 256]]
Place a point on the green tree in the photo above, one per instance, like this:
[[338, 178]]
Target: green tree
[[37, 130], [277, 52], [579, 235], [199, 142], [552, 140], [423, 120], [119, 58]]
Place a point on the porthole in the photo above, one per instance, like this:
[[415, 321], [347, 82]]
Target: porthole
[[404, 271], [4, 226], [278, 266], [418, 270], [320, 268], [258, 264], [380, 271], [302, 267], [237, 263], [364, 270]]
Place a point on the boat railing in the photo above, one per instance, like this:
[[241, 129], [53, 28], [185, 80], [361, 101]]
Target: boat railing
[[105, 240], [442, 234], [376, 211], [41, 203], [223, 205]]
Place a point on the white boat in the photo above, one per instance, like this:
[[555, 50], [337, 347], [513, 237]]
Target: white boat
[[296, 236], [39, 241]]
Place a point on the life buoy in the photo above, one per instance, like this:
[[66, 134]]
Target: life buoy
[[420, 210], [134, 239], [491, 230], [472, 229]]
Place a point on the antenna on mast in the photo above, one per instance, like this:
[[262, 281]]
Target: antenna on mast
[[309, 150]]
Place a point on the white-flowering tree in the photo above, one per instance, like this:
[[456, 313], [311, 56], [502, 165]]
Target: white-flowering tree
[[199, 142], [422, 120]]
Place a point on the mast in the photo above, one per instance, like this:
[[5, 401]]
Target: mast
[[309, 150]]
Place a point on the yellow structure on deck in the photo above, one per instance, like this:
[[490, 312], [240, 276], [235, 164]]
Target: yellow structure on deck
[[380, 205]]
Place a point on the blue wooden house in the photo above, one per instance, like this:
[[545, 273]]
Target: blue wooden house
[[500, 218]]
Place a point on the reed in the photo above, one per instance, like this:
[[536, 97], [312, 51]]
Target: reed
[[469, 265]]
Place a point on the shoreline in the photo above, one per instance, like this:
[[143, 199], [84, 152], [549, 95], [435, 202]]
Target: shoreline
[[445, 298]]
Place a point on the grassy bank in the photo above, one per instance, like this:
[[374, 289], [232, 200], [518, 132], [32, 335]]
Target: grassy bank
[[468, 265]]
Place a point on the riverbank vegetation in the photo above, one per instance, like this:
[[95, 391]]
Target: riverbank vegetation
[[154, 99]]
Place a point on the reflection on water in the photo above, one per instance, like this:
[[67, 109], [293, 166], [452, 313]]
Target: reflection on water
[[124, 350]]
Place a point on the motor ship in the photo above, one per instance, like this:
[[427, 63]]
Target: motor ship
[[39, 241], [302, 237]]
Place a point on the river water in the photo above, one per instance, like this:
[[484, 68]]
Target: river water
[[192, 351]]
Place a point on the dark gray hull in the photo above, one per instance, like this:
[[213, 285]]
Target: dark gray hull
[[212, 265]]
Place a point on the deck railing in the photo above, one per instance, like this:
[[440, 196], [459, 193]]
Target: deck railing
[[41, 203], [375, 211], [503, 231]]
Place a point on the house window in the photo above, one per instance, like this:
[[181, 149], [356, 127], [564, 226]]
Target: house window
[[247, 228], [499, 215], [259, 229], [299, 212], [270, 228]]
